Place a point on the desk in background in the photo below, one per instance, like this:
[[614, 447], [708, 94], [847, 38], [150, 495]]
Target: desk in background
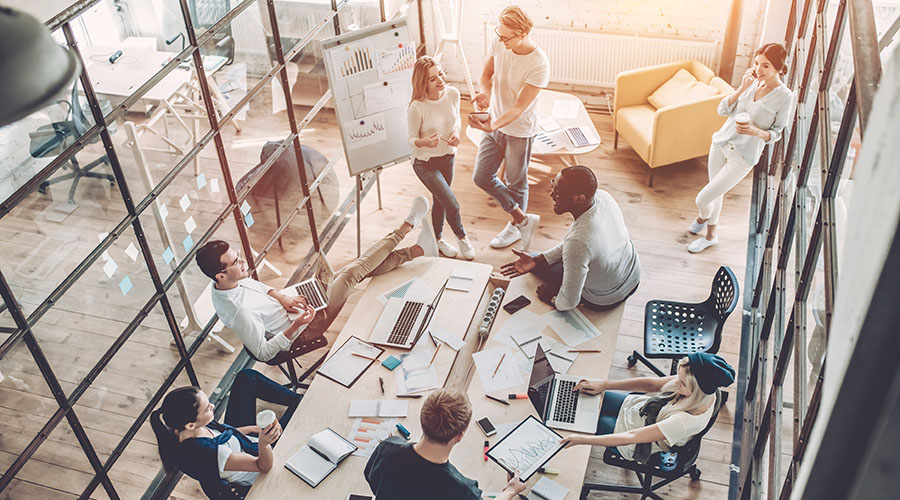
[[326, 403]]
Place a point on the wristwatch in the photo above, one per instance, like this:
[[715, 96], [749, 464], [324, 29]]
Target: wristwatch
[[553, 301]]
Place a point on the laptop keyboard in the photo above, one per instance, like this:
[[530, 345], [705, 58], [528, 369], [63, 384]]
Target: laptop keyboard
[[308, 289], [566, 402], [404, 324]]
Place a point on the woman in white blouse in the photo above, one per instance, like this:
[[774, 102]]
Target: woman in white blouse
[[684, 404], [766, 102]]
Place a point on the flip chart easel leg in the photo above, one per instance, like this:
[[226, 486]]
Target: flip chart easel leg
[[358, 216]]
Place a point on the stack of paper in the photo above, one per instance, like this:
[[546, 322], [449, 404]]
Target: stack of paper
[[497, 369], [448, 338], [378, 408], [416, 374]]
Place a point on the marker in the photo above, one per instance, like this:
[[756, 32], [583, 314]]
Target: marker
[[497, 399], [487, 445], [381, 382], [548, 470], [409, 396], [403, 432], [518, 396]]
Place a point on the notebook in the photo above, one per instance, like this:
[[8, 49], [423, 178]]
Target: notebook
[[378, 408], [344, 367], [315, 461]]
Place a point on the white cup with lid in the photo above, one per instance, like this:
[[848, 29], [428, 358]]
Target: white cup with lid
[[742, 118], [265, 419]]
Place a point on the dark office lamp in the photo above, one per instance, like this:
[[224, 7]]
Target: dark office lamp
[[33, 68]]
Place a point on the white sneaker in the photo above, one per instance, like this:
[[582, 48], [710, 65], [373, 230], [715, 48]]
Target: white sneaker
[[701, 244], [507, 237], [696, 227], [427, 241], [447, 249], [527, 228], [466, 248], [418, 210]]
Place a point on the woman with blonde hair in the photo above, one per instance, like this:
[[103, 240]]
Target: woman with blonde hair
[[433, 117], [668, 414]]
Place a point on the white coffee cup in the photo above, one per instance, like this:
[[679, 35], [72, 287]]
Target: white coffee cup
[[265, 418], [742, 118]]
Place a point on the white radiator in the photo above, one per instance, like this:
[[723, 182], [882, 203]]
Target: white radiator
[[594, 59]]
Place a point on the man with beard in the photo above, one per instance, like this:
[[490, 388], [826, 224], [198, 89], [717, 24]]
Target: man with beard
[[596, 262]]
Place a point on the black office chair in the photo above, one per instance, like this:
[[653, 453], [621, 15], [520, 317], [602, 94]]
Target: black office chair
[[51, 140], [673, 330], [224, 490], [665, 466], [286, 361], [204, 14]]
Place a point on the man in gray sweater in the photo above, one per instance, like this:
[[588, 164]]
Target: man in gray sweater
[[596, 262]]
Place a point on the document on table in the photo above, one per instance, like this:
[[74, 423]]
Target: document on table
[[343, 367], [378, 408], [416, 373], [547, 489], [522, 323], [566, 109], [573, 327], [367, 432], [414, 289], [448, 338], [461, 278], [494, 378]]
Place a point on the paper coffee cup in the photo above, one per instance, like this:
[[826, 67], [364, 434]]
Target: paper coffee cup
[[265, 418], [742, 118]]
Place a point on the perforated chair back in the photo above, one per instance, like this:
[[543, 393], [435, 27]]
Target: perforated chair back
[[676, 329]]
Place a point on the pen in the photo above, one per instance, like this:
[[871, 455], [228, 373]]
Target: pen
[[364, 357], [497, 399], [498, 365], [434, 355], [585, 350], [381, 382], [409, 396], [487, 445]]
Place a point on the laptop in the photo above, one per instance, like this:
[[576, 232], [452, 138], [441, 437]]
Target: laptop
[[403, 321], [314, 292], [557, 405]]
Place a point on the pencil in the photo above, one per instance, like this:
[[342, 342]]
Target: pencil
[[364, 357], [498, 364], [434, 355], [585, 350]]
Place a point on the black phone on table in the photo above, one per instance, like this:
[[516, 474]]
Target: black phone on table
[[516, 304]]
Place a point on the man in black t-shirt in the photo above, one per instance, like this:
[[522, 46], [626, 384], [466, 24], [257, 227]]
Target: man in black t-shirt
[[399, 470]]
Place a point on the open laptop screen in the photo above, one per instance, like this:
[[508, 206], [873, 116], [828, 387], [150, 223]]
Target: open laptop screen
[[541, 382]]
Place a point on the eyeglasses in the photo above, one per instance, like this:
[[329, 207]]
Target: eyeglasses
[[502, 38], [237, 260]]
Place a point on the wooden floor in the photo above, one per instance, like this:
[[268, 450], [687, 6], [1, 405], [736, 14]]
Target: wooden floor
[[76, 332]]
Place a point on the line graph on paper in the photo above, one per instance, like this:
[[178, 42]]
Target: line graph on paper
[[368, 130], [526, 448], [395, 59]]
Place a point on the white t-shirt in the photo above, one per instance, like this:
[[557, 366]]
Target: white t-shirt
[[224, 451], [677, 428], [511, 72], [250, 311], [427, 117]]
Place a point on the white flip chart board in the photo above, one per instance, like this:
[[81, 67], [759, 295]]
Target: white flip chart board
[[370, 74]]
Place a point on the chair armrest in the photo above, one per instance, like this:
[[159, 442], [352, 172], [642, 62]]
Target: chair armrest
[[684, 126], [633, 86]]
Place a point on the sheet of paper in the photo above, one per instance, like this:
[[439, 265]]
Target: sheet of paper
[[395, 59], [573, 327], [365, 131], [190, 225], [461, 278], [245, 207], [391, 92], [525, 365], [378, 408], [548, 124], [131, 251], [416, 373], [367, 432], [494, 378], [214, 185], [414, 289], [548, 489], [343, 366], [448, 338], [110, 268], [184, 202], [565, 109], [530, 348], [522, 321], [523, 337], [354, 58]]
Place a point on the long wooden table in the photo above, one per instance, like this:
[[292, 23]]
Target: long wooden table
[[326, 403], [468, 455]]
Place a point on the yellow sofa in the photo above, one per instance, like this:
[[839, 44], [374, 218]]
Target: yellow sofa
[[673, 133]]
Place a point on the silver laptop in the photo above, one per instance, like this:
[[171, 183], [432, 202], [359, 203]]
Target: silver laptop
[[403, 322], [557, 405], [314, 292]]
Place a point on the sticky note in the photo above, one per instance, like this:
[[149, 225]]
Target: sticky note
[[110, 268], [245, 208], [201, 181], [168, 255], [105, 255], [188, 243], [248, 219], [214, 185], [184, 202], [125, 285], [391, 362], [190, 225], [132, 251], [163, 211]]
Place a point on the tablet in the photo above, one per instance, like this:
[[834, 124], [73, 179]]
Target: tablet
[[526, 448]]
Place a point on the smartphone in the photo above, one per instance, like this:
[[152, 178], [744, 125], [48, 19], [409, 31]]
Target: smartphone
[[516, 304], [358, 497], [482, 116], [487, 427]]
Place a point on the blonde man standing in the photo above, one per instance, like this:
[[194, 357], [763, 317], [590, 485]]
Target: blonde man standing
[[514, 73], [400, 470]]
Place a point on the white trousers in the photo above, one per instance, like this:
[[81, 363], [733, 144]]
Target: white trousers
[[726, 169]]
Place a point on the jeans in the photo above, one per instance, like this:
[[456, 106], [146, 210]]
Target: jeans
[[494, 148], [437, 174], [726, 168], [553, 275], [250, 385]]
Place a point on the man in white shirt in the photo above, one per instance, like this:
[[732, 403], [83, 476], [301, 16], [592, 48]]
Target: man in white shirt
[[514, 73], [258, 313], [596, 263]]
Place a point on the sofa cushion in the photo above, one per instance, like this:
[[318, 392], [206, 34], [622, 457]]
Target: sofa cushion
[[681, 88], [635, 124]]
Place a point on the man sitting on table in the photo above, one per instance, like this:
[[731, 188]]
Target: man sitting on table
[[258, 313], [400, 470], [596, 262]]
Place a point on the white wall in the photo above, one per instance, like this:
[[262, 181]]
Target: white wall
[[684, 18]]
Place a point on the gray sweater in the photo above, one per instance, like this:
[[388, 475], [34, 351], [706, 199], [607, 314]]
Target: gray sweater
[[599, 261]]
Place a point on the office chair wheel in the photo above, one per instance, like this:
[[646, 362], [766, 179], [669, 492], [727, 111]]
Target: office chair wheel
[[43, 187], [631, 360], [695, 474]]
